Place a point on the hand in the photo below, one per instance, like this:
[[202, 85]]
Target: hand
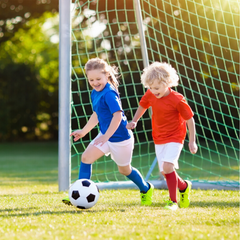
[[77, 135], [193, 147], [131, 125], [101, 140]]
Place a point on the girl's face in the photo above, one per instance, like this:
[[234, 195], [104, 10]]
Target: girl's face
[[97, 79], [159, 89]]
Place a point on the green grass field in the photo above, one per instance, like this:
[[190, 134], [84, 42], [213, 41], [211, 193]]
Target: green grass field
[[31, 206]]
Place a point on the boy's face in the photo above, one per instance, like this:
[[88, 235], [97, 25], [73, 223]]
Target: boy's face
[[159, 89]]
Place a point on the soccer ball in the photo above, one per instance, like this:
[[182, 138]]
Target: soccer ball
[[83, 193]]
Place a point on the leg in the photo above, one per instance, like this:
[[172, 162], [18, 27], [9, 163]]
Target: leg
[[89, 156], [134, 175], [125, 170], [168, 167], [171, 179], [122, 155], [146, 189], [182, 185], [184, 190], [168, 155]]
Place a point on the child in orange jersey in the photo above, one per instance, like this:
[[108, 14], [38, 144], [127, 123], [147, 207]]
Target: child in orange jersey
[[170, 115]]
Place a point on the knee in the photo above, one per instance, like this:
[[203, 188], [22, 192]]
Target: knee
[[168, 167], [125, 170], [85, 158]]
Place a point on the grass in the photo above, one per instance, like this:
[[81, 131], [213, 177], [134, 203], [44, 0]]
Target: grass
[[31, 206]]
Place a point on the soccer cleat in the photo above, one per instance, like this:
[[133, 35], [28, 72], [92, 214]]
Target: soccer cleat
[[184, 196], [66, 201], [171, 205], [146, 198]]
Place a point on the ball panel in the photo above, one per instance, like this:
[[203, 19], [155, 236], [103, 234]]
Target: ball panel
[[75, 194], [90, 198], [81, 207], [86, 183]]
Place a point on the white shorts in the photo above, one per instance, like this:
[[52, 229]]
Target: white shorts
[[168, 152], [121, 152]]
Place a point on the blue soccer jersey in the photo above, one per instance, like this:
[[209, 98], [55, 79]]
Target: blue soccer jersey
[[105, 103]]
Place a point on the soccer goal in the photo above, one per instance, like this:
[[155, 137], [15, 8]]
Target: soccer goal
[[198, 38]]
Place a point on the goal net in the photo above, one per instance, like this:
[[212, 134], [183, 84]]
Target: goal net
[[200, 39]]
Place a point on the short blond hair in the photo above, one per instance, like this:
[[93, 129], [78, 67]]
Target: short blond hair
[[162, 72]]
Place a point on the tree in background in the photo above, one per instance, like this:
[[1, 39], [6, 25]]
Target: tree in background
[[29, 81]]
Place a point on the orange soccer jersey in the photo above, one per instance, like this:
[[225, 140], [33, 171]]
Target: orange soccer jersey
[[169, 115]]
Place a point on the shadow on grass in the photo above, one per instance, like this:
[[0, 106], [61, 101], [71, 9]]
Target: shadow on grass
[[212, 204], [217, 204], [15, 209], [25, 212]]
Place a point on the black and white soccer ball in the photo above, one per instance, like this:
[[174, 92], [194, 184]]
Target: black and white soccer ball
[[83, 193]]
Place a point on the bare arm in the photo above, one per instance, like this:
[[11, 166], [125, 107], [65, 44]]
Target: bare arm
[[140, 111], [92, 122], [115, 122], [192, 136]]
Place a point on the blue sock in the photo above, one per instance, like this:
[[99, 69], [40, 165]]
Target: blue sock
[[137, 178], [85, 171]]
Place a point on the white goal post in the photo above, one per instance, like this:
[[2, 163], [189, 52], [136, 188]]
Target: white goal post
[[64, 124]]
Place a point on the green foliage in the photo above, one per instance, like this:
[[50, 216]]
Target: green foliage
[[29, 81], [15, 13]]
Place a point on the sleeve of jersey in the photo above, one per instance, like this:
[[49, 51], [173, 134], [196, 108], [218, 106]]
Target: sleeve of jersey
[[144, 102], [185, 110], [113, 101]]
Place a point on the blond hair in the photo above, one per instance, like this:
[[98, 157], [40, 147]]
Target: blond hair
[[162, 72], [97, 63]]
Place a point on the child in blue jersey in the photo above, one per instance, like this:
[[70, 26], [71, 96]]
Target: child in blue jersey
[[114, 138]]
